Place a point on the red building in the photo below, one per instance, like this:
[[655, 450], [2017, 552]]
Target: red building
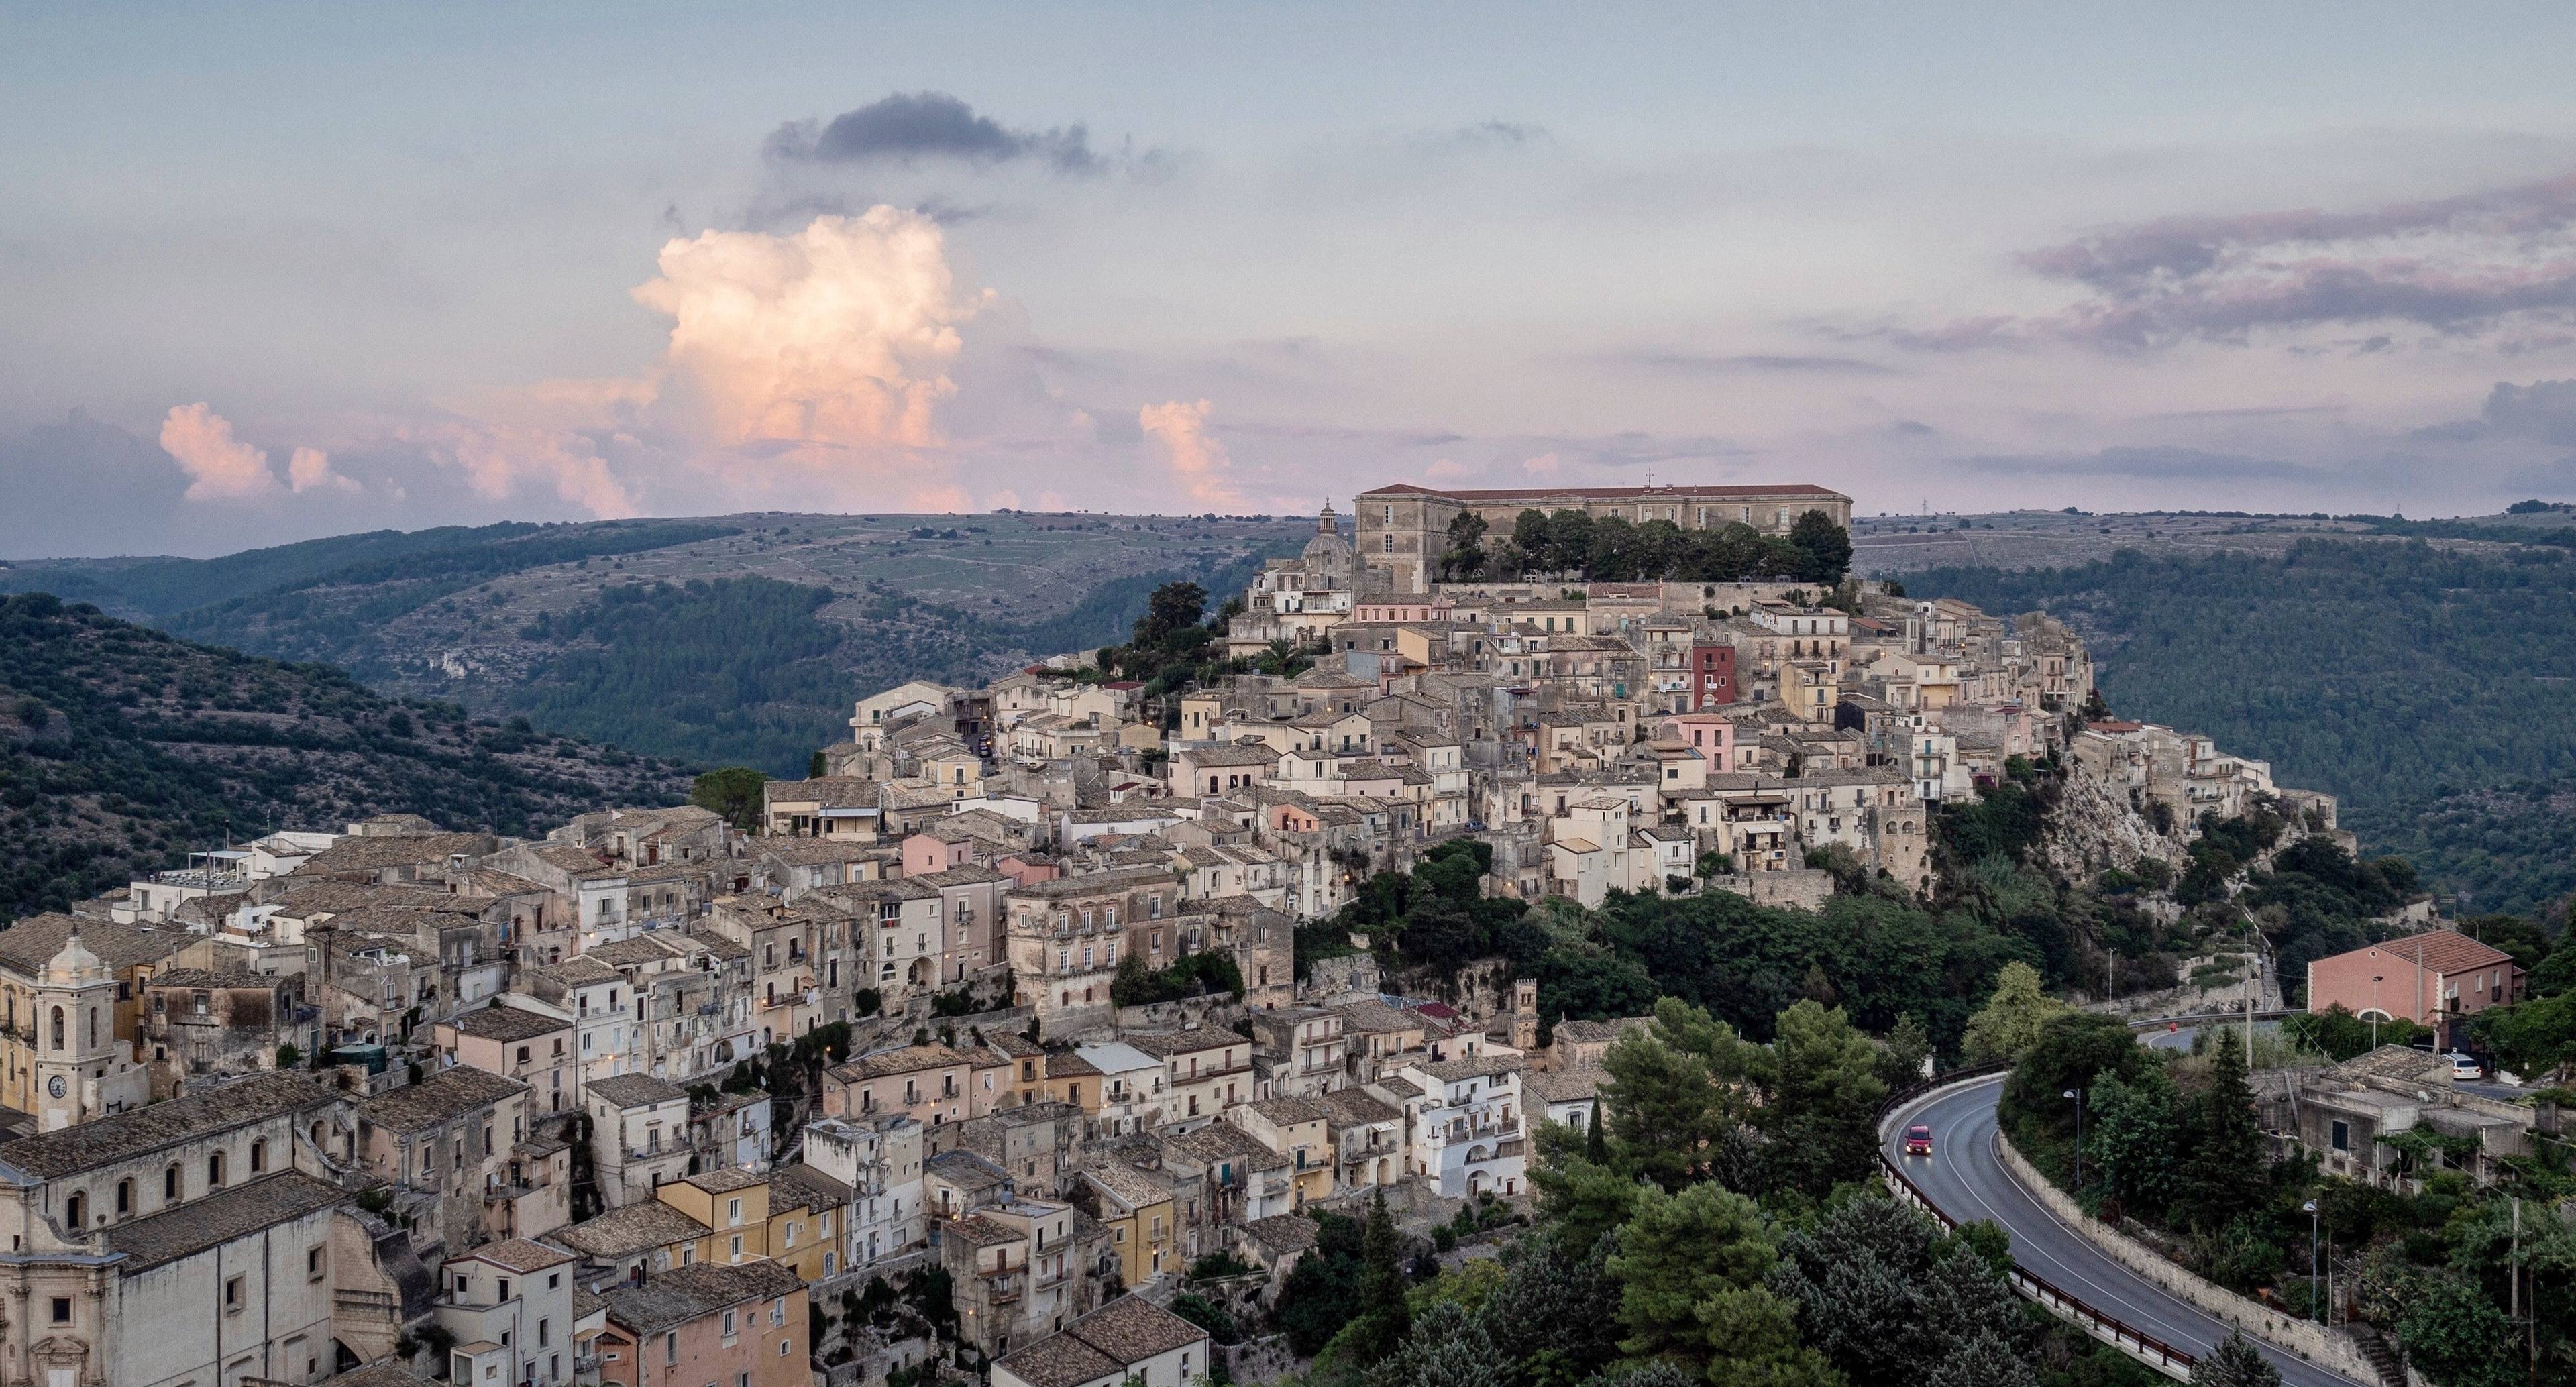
[[1712, 676], [2457, 976]]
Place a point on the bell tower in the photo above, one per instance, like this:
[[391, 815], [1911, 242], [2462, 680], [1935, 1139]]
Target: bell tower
[[82, 1070]]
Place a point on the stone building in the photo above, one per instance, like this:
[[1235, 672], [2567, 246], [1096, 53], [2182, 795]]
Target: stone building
[[198, 1022], [1403, 528]]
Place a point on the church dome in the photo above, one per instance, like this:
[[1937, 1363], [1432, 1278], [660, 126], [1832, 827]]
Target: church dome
[[1328, 543], [73, 966]]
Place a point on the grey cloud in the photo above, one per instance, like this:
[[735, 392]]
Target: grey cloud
[[2146, 256], [911, 127], [2541, 412], [1117, 428], [1333, 433], [795, 211], [2460, 266], [1912, 428], [1692, 363], [2156, 464], [105, 491], [1501, 133]]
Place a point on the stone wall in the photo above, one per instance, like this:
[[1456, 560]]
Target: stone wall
[[1218, 1009], [1337, 981], [2305, 1338], [1803, 889]]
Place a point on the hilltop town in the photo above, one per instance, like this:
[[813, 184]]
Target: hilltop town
[[1038, 1009]]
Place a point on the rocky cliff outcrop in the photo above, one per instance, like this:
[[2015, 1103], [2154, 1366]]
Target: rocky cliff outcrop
[[2094, 827]]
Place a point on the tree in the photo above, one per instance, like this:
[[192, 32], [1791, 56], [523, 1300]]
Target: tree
[[1821, 1103], [2458, 1335], [2012, 1018], [1900, 1060], [733, 793], [1583, 1198], [1535, 537], [1569, 542], [1464, 557], [817, 766], [1556, 1313], [2234, 1363], [1885, 1296], [2226, 1169], [1173, 608], [1824, 548], [1679, 1253], [1671, 1094], [1383, 1315], [1208, 1315], [1447, 1347], [2132, 1140]]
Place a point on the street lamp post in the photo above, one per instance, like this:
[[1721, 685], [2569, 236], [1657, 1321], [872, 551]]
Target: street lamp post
[[2078, 1095], [2313, 1307], [2375, 1012]]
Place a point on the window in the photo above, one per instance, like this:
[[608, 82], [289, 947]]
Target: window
[[258, 1157], [504, 1292], [170, 1182], [234, 1293], [729, 1326], [733, 1211], [124, 1198], [671, 1347], [58, 1028], [76, 1212], [215, 1170], [316, 1263], [778, 1312], [2343, 1136], [63, 1306]]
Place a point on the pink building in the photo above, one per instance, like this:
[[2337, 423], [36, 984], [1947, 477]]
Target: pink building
[[1710, 734], [925, 853], [2425, 978], [740, 1325]]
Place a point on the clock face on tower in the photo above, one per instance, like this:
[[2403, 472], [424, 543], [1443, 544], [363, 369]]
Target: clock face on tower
[[56, 1086]]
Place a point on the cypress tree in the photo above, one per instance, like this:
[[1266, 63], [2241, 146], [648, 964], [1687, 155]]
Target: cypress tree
[[1383, 1317], [2226, 1171]]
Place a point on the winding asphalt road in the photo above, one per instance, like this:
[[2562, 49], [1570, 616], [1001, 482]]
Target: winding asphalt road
[[1966, 1179]]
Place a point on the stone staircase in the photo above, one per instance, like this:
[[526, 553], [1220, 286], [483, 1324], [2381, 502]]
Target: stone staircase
[[2392, 1371]]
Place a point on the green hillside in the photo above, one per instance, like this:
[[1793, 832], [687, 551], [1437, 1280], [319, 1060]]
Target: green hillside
[[122, 749], [2433, 691]]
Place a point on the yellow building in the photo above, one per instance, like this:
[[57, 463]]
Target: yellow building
[[1810, 689], [793, 1216], [806, 1208], [1136, 1208], [733, 1204]]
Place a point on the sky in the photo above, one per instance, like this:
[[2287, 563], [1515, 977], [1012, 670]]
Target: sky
[[269, 272]]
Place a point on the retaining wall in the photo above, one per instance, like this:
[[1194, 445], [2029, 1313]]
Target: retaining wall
[[2306, 1338]]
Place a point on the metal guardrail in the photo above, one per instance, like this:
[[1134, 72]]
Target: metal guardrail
[[2147, 1348]]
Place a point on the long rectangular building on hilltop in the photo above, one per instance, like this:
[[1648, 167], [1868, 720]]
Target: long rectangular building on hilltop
[[1402, 528]]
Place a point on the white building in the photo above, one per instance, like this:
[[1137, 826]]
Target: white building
[[1464, 1132], [880, 1161], [509, 1304]]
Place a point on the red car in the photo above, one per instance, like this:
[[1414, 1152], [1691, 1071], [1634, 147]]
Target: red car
[[1918, 1140]]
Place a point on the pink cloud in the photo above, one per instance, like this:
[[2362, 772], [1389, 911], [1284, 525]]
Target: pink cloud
[[498, 460], [1199, 463], [220, 467], [310, 468], [838, 336]]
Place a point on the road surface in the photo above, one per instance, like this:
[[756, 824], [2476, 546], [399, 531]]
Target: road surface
[[1966, 1179]]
